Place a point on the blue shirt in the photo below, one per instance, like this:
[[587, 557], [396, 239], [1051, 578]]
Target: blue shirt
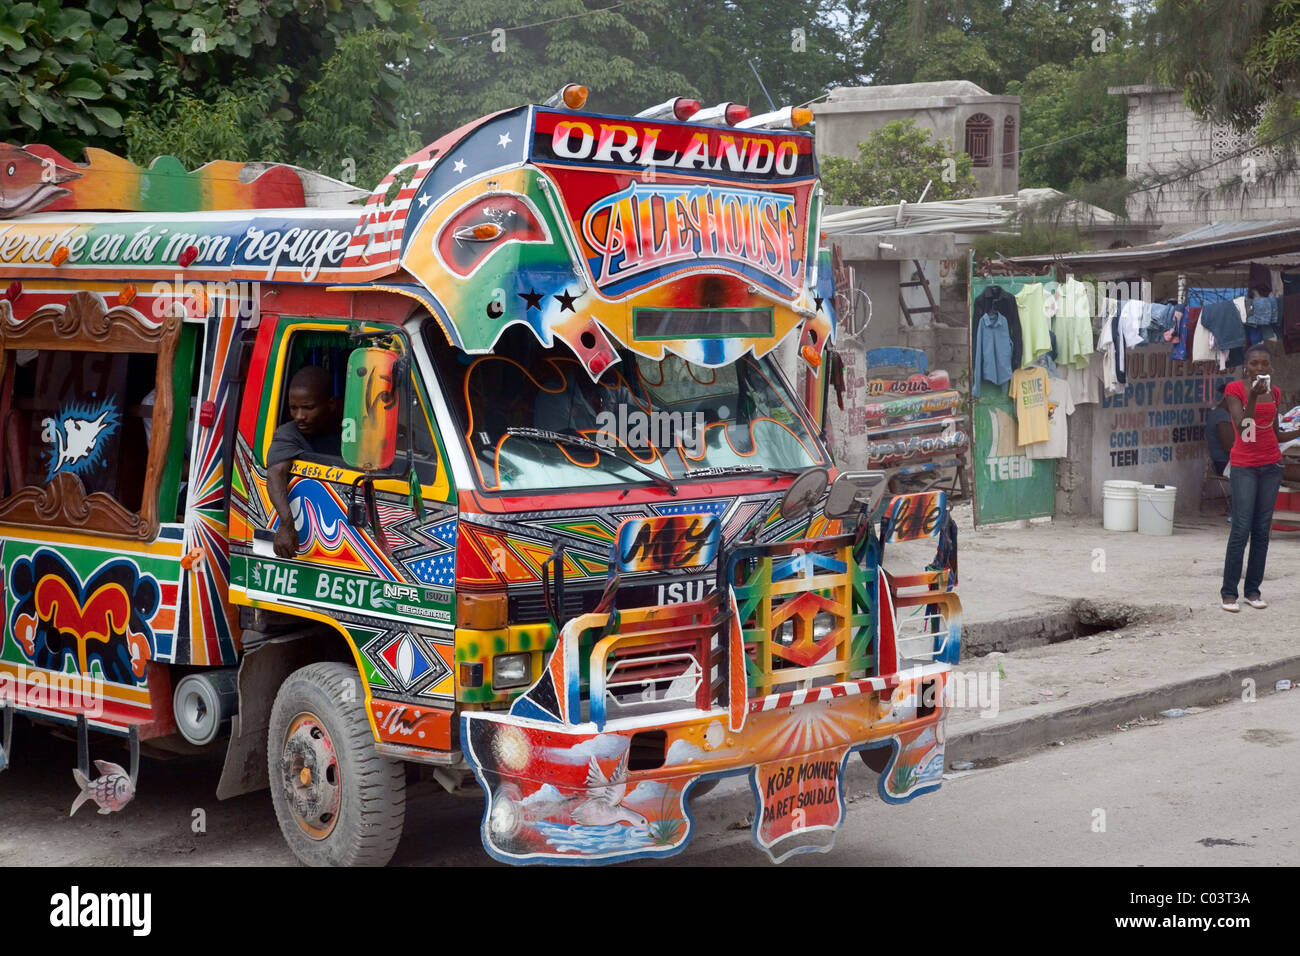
[[992, 351]]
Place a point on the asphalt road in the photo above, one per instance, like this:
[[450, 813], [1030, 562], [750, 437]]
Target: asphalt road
[[1214, 788]]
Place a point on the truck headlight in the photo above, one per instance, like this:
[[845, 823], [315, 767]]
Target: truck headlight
[[511, 670]]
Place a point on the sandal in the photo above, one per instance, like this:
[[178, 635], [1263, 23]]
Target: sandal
[[1232, 606], [1257, 602]]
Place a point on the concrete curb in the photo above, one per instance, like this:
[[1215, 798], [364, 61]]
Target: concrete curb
[[1019, 732], [1010, 735]]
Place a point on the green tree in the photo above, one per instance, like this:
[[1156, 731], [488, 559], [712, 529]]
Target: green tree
[[895, 163], [1236, 61], [67, 76]]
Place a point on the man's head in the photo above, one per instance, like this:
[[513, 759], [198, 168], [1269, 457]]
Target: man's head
[[312, 404]]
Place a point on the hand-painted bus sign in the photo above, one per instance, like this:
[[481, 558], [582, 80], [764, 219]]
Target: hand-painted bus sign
[[800, 803], [647, 228], [673, 541], [292, 249], [690, 148]]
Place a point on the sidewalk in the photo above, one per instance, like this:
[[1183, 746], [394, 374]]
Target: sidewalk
[[1180, 648]]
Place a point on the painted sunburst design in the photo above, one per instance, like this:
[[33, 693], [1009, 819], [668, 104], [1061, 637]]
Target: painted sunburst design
[[810, 728]]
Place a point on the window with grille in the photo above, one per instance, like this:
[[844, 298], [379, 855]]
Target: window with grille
[[1009, 143], [979, 139]]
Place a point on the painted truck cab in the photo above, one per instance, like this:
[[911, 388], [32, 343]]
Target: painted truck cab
[[576, 541]]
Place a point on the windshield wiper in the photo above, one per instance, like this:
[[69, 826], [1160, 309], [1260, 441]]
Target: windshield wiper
[[577, 441], [735, 470]]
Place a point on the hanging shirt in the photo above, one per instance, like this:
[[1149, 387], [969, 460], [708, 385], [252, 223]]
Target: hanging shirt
[[1225, 322], [1059, 404], [1073, 325], [1264, 450], [992, 359], [999, 300], [1085, 383], [1035, 334], [1203, 345], [1029, 398]]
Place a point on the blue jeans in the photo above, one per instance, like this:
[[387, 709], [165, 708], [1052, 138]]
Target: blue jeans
[[1254, 495]]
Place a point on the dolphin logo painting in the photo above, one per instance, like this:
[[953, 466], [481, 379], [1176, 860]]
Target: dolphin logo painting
[[28, 182], [78, 436]]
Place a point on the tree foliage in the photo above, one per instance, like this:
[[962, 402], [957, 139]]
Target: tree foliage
[[1237, 61], [895, 163]]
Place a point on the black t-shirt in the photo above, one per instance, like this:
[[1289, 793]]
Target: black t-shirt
[[288, 442]]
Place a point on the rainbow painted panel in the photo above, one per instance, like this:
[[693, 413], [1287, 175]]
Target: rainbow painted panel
[[666, 543], [921, 515], [44, 179], [370, 410]]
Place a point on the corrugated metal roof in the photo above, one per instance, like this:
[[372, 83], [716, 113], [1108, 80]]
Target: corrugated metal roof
[[1262, 240], [1219, 229]]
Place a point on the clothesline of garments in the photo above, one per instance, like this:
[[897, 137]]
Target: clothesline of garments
[[1051, 329], [1038, 343]]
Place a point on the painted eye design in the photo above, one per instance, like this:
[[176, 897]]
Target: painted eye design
[[13, 168], [484, 226]]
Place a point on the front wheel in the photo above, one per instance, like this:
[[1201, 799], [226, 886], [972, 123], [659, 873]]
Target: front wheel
[[338, 802]]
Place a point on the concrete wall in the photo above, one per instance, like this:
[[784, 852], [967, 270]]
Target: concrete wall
[[1153, 432], [851, 115], [1164, 135]]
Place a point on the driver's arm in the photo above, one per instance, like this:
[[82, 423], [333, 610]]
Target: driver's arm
[[277, 489]]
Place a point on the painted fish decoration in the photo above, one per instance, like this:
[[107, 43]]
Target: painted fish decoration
[[27, 182], [112, 790]]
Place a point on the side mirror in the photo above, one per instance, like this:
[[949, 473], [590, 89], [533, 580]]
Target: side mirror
[[851, 491], [371, 408]]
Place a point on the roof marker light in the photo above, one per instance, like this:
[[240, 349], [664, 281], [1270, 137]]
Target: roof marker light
[[571, 95], [679, 108], [729, 113], [790, 117]]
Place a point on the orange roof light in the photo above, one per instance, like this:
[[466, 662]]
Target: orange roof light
[[571, 96], [575, 96], [800, 116]]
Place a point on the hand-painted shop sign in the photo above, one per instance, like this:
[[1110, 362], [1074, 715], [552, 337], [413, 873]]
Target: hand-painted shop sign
[[265, 248]]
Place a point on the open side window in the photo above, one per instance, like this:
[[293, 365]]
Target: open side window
[[86, 411], [330, 349]]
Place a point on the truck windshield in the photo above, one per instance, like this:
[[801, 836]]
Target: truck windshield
[[670, 415]]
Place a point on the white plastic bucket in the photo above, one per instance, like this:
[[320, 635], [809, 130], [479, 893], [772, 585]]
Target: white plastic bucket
[[1156, 509], [1120, 505]]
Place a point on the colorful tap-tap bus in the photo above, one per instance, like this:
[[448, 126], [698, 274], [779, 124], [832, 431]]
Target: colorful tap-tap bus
[[557, 519]]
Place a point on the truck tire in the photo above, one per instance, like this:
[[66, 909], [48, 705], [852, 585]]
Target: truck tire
[[338, 802]]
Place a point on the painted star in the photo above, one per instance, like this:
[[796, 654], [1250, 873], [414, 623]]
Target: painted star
[[566, 301], [459, 165], [818, 300], [423, 201], [533, 298], [503, 140]]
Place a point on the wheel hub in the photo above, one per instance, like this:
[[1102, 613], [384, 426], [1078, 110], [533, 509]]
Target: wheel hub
[[310, 776]]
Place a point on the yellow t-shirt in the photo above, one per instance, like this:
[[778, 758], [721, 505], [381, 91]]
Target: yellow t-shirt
[[1028, 393]]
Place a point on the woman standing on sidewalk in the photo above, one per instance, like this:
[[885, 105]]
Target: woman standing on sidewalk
[[1256, 461]]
